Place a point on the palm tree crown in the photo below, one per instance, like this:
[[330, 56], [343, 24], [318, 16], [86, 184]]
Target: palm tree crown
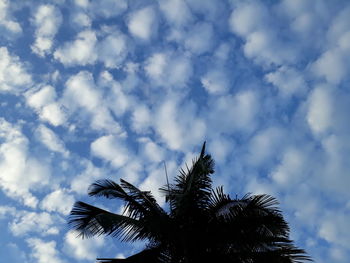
[[203, 225]]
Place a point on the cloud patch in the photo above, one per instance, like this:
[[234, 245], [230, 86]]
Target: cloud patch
[[44, 102], [31, 222], [143, 23], [111, 149], [14, 77], [51, 140], [82, 248], [80, 51], [59, 200], [47, 21], [24, 172], [6, 19], [44, 251]]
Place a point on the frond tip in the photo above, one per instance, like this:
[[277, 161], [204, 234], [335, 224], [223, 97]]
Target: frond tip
[[203, 150], [90, 221], [106, 188]]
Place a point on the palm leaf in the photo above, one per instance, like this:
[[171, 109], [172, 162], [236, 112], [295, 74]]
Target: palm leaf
[[154, 254], [109, 189], [145, 198], [89, 221], [106, 188], [192, 187]]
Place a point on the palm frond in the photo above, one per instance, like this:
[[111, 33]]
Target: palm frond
[[203, 225], [136, 203], [249, 223], [145, 198], [155, 254], [89, 221], [218, 201], [285, 253], [192, 187], [106, 188]]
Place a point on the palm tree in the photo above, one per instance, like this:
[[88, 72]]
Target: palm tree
[[203, 224]]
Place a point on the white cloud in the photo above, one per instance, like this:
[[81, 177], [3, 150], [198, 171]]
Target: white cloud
[[167, 125], [179, 71], [111, 149], [344, 41], [44, 251], [151, 150], [335, 228], [200, 38], [258, 185], [304, 23], [338, 26], [216, 81], [176, 12], [142, 23], [265, 48], [320, 111], [156, 64], [288, 81], [333, 173], [234, 112], [108, 8], [82, 248], [23, 171], [263, 42], [47, 21], [305, 17], [82, 96], [113, 49], [42, 97], [211, 10], [43, 101], [169, 69], [117, 98], [333, 65], [265, 144], [92, 10], [307, 214], [91, 173], [141, 119], [59, 200], [338, 254], [220, 148], [82, 3], [80, 92], [241, 21], [81, 19], [6, 20], [13, 75], [132, 171], [51, 140], [156, 179], [291, 169], [7, 210], [81, 51], [31, 222], [178, 124], [54, 114]]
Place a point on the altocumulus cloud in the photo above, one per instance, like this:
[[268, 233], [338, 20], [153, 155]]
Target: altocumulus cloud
[[111, 89]]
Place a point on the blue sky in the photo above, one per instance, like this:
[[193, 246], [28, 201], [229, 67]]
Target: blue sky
[[93, 89]]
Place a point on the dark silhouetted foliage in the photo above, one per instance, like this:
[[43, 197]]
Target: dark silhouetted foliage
[[203, 225]]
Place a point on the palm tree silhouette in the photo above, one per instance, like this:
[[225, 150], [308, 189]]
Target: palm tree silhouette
[[203, 224]]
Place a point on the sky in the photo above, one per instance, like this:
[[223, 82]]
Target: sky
[[94, 89]]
